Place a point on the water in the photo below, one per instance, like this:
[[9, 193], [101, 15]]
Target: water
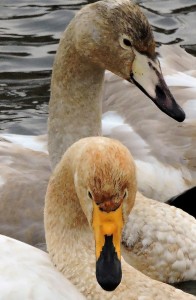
[[29, 37], [29, 34]]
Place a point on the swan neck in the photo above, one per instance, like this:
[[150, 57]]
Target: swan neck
[[62, 203], [68, 237], [75, 103]]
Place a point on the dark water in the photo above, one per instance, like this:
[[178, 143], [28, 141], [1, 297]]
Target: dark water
[[29, 35]]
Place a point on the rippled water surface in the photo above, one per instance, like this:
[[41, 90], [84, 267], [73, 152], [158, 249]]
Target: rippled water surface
[[29, 34], [29, 37]]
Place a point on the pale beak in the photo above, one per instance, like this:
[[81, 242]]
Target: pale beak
[[148, 77], [107, 228]]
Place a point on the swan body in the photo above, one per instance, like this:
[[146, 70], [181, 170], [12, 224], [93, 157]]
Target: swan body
[[27, 273], [75, 111], [154, 239], [172, 222], [159, 145], [92, 164], [23, 181]]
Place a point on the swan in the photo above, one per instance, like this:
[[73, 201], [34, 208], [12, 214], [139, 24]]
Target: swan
[[155, 245], [23, 182], [27, 273], [95, 185], [159, 145], [87, 168], [145, 238], [78, 76], [75, 110]]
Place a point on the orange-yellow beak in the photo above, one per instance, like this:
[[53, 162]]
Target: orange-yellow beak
[[107, 228]]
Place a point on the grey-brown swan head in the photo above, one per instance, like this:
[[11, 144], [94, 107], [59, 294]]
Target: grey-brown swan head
[[116, 35]]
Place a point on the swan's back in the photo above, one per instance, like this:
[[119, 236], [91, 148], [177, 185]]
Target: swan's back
[[27, 273], [23, 181]]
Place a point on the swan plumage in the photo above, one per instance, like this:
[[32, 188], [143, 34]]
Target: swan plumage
[[23, 181], [153, 241], [103, 167], [27, 273], [65, 134], [165, 147]]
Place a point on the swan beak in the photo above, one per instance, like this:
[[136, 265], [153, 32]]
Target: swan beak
[[107, 228], [148, 77]]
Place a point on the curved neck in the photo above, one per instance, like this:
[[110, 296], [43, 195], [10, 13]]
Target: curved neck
[[71, 247], [75, 103], [70, 242]]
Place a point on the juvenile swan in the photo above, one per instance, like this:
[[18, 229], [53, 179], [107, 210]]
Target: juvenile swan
[[106, 35], [75, 106], [75, 111], [95, 185]]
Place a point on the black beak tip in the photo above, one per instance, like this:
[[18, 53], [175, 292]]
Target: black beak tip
[[163, 100], [176, 112], [108, 277], [166, 102], [108, 267], [180, 117]]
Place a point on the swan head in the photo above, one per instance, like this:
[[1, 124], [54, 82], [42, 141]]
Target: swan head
[[117, 36], [105, 184]]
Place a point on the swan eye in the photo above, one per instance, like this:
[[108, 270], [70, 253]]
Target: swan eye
[[90, 195], [127, 42], [125, 194]]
